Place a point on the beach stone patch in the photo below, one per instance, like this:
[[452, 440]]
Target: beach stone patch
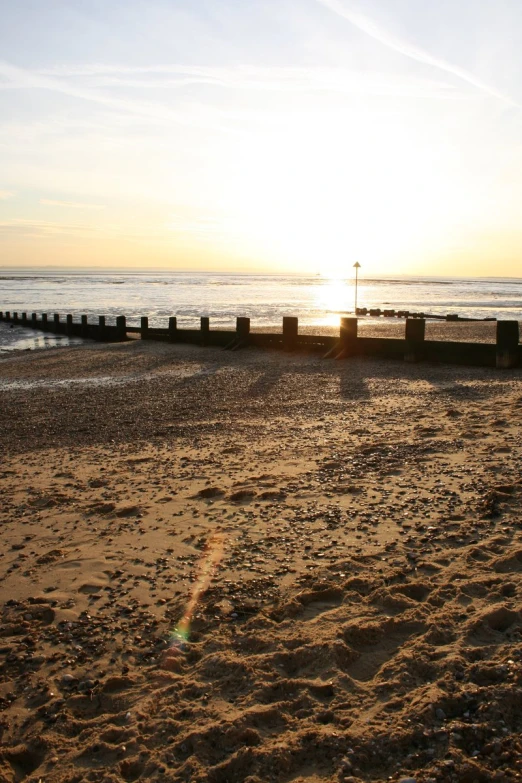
[[272, 494], [242, 495], [50, 557], [128, 511], [101, 508], [98, 483], [210, 492]]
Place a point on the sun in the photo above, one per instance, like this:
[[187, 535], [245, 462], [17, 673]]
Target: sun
[[315, 197]]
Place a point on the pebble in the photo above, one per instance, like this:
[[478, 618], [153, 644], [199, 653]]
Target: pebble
[[408, 780]]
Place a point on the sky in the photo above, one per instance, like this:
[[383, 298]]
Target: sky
[[262, 135]]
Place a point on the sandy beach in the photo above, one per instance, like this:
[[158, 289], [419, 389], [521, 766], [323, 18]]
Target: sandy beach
[[251, 567]]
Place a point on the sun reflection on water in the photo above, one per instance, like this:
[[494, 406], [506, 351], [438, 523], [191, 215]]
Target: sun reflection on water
[[337, 298]]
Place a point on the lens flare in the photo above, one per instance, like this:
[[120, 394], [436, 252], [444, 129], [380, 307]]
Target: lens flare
[[179, 637]]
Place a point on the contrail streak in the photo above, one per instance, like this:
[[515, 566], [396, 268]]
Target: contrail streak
[[375, 31], [31, 80]]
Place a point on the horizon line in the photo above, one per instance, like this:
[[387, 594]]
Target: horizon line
[[94, 270]]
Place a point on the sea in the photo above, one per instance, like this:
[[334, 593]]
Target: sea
[[265, 298]]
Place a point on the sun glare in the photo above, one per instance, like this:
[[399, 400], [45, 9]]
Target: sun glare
[[319, 205], [335, 296]]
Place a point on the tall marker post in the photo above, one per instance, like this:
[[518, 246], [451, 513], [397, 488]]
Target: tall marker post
[[356, 266]]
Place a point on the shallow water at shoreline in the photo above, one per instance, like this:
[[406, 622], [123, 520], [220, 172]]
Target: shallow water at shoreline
[[21, 338]]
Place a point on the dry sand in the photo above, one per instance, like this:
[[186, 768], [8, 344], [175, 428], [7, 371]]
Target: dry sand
[[345, 537]]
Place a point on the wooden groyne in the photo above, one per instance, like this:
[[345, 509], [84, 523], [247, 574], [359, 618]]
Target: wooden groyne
[[376, 312], [413, 347]]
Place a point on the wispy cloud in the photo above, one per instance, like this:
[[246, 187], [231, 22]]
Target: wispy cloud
[[46, 229], [5, 194], [28, 79], [205, 226], [85, 81], [369, 26], [73, 204], [39, 228]]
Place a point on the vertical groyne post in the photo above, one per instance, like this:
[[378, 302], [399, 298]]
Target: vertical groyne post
[[56, 322], [34, 319], [101, 328], [242, 336], [415, 332], [242, 330], [84, 326], [69, 324], [205, 329], [121, 327], [173, 328], [507, 344], [144, 327], [15, 318], [290, 331], [347, 337], [45, 322], [8, 316], [24, 319]]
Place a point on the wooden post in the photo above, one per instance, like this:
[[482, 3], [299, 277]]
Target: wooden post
[[507, 344], [101, 328], [205, 329], [415, 331], [15, 318], [8, 316], [121, 325], [290, 330], [45, 322], [24, 319], [173, 328], [347, 337], [69, 320], [144, 325], [242, 336], [33, 320], [84, 326], [56, 321], [242, 328], [1, 316], [346, 345]]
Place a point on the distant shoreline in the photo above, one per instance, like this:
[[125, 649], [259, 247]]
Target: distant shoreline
[[44, 271]]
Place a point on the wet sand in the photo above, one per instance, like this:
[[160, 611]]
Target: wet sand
[[342, 540]]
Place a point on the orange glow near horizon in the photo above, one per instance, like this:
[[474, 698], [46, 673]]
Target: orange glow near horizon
[[366, 136]]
